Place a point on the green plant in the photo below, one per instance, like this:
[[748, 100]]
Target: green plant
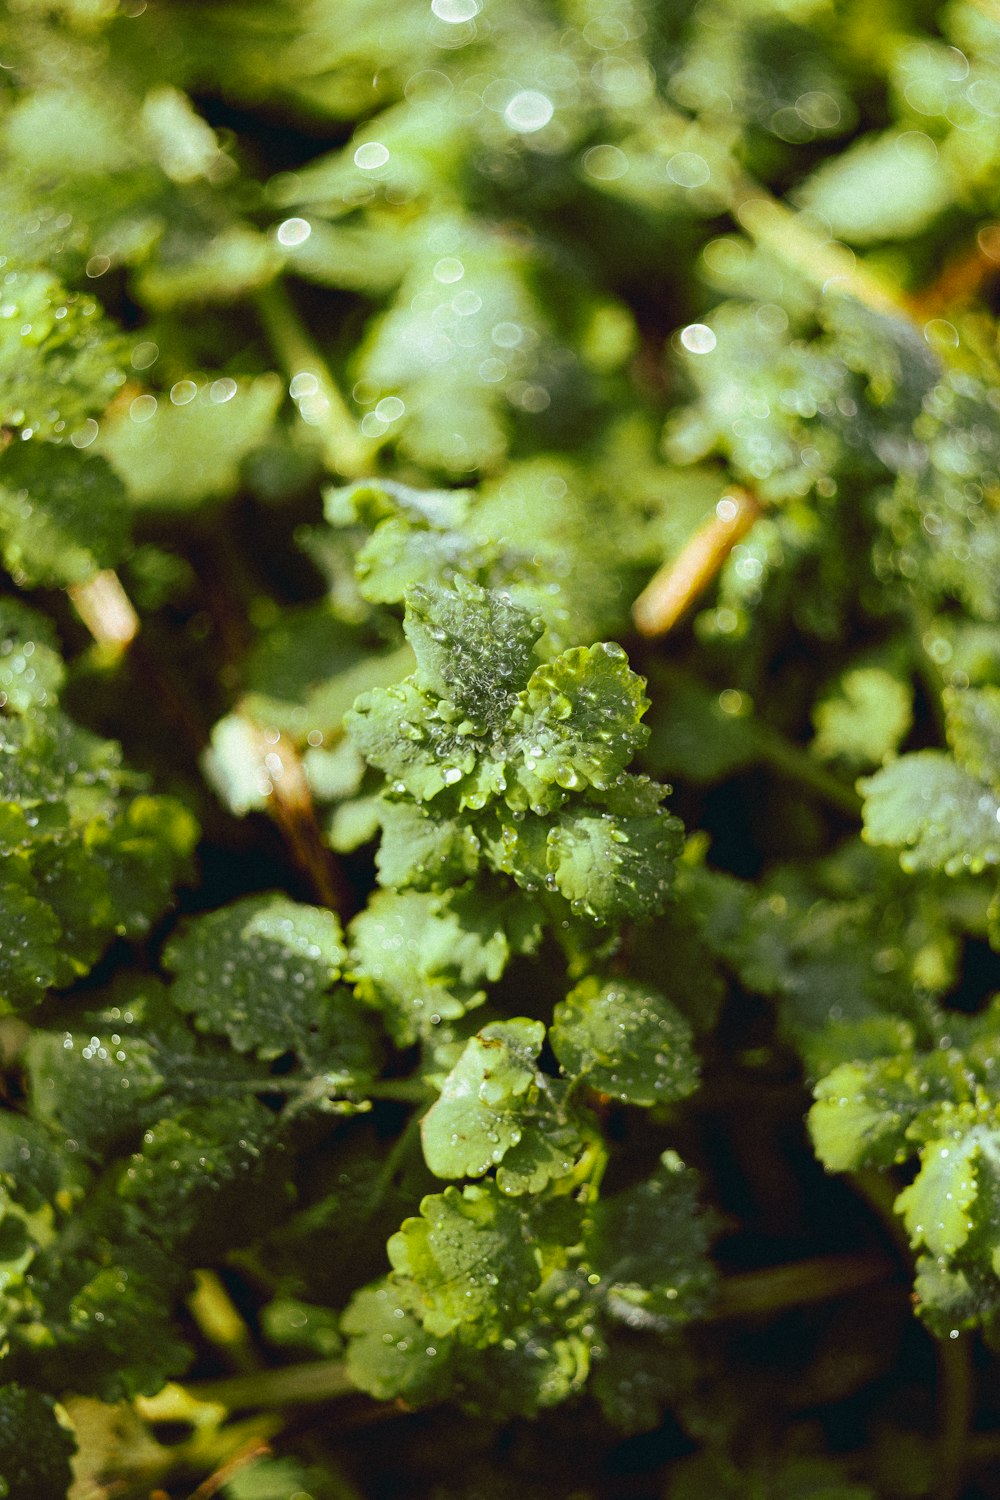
[[499, 748]]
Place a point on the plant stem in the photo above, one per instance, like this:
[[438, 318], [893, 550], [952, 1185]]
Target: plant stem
[[291, 1385], [291, 806], [796, 764], [826, 264], [344, 448], [929, 672], [771, 748], [676, 586], [822, 1278], [106, 610], [219, 1320], [406, 1090], [879, 1192], [955, 1393]]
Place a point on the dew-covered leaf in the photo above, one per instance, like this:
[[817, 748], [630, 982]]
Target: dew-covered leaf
[[175, 452], [63, 514], [466, 1266], [938, 815], [259, 971], [421, 958], [35, 1448], [626, 1041], [649, 1245], [865, 719]]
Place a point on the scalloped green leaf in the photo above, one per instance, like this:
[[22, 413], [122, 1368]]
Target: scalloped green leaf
[[467, 1265], [938, 815], [63, 514], [625, 1040], [259, 971]]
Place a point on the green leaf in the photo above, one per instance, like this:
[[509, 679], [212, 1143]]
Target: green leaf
[[61, 362], [175, 453], [390, 1353], [639, 1376], [467, 1266], [863, 1112], [226, 267], [615, 865], [938, 815], [649, 1246], [973, 722], [259, 971], [485, 1101], [290, 1323], [100, 1082], [144, 852], [865, 719], [31, 669], [32, 958], [474, 649], [35, 1448], [937, 1206], [576, 724], [204, 1171], [63, 515], [884, 187], [421, 958], [496, 1107], [306, 669], [420, 849], [626, 1041], [693, 737]]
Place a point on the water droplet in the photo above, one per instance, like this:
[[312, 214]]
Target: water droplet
[[371, 155], [295, 231], [605, 163], [455, 11], [698, 338], [529, 111]]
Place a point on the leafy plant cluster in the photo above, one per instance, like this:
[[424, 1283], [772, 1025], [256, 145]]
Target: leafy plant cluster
[[499, 749]]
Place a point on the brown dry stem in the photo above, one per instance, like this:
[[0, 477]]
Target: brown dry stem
[[106, 609], [676, 586], [290, 804]]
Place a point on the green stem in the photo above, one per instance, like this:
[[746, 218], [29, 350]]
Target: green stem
[[955, 1394], [383, 1182], [220, 1321], [790, 238], [752, 1294], [406, 1090], [879, 1192], [796, 764], [401, 1148], [291, 1385], [344, 448]]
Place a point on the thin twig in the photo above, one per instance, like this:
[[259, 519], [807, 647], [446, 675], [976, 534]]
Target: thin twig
[[290, 803], [962, 278], [253, 1451], [672, 590]]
